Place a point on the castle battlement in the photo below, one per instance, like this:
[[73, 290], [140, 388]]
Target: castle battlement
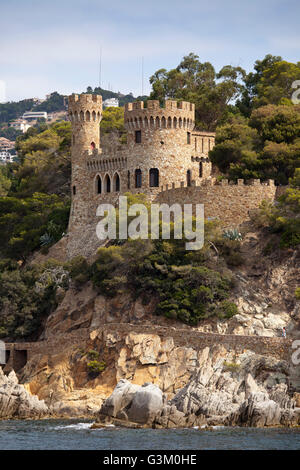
[[172, 114], [85, 107], [214, 182], [84, 99]]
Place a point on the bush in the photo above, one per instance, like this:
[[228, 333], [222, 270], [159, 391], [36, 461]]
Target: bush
[[95, 367], [26, 297], [79, 270], [297, 293], [231, 366], [185, 289]]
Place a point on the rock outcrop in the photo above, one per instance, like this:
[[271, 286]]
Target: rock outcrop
[[250, 392], [17, 402]]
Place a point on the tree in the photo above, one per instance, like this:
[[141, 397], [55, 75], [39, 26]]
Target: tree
[[267, 146], [251, 82], [5, 182], [199, 83]]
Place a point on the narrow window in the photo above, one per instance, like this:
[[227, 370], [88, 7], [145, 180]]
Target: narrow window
[[74, 190], [128, 179], [188, 178], [154, 177], [200, 169], [93, 146], [138, 137], [116, 182], [98, 185], [138, 178], [107, 184], [73, 139], [188, 135]]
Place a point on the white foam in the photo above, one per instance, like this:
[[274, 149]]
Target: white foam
[[77, 426]]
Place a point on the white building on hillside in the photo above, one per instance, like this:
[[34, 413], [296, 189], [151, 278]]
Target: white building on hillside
[[111, 103], [5, 157], [35, 115]]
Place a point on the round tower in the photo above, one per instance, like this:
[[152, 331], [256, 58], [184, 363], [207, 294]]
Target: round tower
[[159, 141], [85, 113]]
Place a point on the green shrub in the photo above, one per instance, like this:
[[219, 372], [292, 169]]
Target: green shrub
[[95, 367], [231, 366], [297, 293], [93, 355], [79, 270]]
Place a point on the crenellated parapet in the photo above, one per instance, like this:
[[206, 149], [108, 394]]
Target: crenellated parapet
[[215, 182], [85, 107], [173, 115]]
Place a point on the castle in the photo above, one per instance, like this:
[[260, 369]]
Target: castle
[[164, 158]]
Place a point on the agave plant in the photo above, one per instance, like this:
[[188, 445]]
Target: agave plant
[[232, 234], [46, 239]]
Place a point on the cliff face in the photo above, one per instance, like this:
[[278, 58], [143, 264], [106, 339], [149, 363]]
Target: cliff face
[[221, 380]]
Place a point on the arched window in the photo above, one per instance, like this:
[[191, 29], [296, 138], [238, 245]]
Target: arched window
[[94, 116], [188, 177], [87, 116], [81, 116], [138, 178], [128, 179], [169, 122], [116, 182], [98, 185], [93, 145], [200, 169], [163, 122], [154, 177], [107, 184]]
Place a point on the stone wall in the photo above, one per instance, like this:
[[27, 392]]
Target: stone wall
[[230, 203], [275, 347], [279, 348]]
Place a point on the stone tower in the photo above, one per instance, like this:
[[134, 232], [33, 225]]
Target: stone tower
[[159, 141], [85, 113]]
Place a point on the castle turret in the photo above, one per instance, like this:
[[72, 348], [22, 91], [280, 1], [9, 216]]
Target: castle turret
[[85, 113], [179, 116], [159, 142]]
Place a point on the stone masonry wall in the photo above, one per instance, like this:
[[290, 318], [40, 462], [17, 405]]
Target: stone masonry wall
[[230, 203], [189, 338]]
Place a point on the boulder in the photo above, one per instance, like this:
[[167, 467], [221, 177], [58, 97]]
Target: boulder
[[16, 401], [147, 402]]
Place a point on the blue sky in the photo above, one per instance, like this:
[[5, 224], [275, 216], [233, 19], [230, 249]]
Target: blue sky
[[55, 46]]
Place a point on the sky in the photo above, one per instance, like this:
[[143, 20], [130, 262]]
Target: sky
[[55, 46]]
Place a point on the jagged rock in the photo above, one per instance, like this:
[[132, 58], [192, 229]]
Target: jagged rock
[[16, 401]]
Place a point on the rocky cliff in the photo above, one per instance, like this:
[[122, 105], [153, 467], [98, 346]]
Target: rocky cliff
[[240, 378]]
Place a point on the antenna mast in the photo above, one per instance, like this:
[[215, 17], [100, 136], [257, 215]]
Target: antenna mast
[[142, 76], [100, 67]]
